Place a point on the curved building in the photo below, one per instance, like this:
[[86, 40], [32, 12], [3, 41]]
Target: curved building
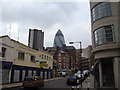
[[59, 40], [106, 43]]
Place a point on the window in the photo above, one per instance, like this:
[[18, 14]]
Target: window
[[108, 73], [59, 54], [59, 59], [39, 55], [45, 57], [64, 66], [32, 58], [3, 52], [21, 55], [104, 35], [58, 65], [101, 10], [49, 58], [42, 56]]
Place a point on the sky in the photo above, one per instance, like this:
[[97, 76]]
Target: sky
[[72, 18]]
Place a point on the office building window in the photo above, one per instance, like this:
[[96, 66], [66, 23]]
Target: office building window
[[32, 58], [3, 52], [21, 55], [104, 35], [101, 10]]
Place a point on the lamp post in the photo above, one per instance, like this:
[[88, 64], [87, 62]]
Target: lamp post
[[80, 56]]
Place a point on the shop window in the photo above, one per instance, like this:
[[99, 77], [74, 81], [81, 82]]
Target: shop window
[[108, 74], [95, 72]]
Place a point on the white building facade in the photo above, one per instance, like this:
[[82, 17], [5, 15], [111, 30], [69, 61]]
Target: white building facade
[[106, 43], [19, 60]]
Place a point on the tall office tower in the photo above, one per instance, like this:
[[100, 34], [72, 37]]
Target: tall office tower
[[106, 43], [59, 40], [36, 39]]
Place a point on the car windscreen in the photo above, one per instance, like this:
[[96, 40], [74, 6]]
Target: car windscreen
[[28, 79], [32, 78]]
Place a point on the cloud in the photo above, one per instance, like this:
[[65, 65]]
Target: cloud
[[73, 18], [44, 14]]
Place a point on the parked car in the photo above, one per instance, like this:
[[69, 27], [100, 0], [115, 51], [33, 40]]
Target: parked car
[[63, 74], [80, 76], [59, 74], [33, 81], [73, 80]]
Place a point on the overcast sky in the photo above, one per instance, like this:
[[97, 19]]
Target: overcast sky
[[72, 18]]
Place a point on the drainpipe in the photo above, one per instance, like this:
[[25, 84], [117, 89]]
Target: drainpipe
[[10, 71], [100, 74]]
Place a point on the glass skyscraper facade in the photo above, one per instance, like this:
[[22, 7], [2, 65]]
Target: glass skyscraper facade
[[59, 40]]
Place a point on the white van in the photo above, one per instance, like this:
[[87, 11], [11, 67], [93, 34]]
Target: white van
[[63, 74]]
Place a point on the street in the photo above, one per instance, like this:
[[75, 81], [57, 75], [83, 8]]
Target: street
[[59, 83]]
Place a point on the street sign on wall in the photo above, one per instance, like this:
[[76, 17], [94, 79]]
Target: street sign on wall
[[43, 64]]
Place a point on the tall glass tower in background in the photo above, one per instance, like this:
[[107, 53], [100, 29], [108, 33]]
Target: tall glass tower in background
[[59, 40]]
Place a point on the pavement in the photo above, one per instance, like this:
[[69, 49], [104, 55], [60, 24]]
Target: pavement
[[88, 83]]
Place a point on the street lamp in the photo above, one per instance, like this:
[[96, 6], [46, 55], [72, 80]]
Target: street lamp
[[80, 56]]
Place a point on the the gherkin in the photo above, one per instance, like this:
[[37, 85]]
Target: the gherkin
[[59, 40]]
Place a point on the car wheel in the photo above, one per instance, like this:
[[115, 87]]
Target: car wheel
[[43, 85], [39, 86], [25, 87]]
